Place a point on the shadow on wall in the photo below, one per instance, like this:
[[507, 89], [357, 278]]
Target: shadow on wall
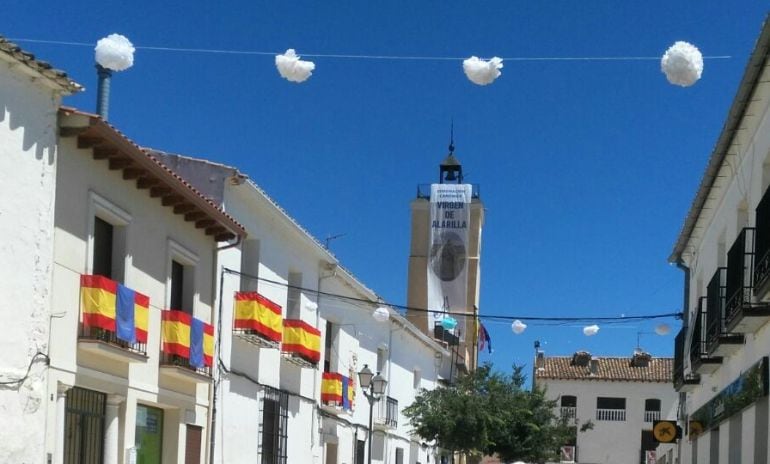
[[32, 110]]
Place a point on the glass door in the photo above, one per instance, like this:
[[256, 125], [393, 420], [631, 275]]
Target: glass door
[[149, 434]]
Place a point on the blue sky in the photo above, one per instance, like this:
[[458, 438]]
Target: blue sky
[[587, 168]]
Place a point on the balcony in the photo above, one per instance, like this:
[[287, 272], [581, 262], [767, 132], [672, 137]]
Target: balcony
[[187, 348], [682, 382], [257, 320], [337, 393], [700, 361], [742, 314], [762, 248], [568, 413], [651, 416], [113, 320], [719, 342], [443, 335], [386, 417], [611, 415], [301, 343]]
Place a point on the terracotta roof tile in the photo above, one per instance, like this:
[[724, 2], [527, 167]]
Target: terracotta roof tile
[[43, 68], [610, 368]]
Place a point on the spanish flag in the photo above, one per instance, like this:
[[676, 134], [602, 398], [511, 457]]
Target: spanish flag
[[255, 312], [301, 339], [332, 388], [176, 333], [114, 307]]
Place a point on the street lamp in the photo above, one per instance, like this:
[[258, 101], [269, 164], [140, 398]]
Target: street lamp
[[373, 387]]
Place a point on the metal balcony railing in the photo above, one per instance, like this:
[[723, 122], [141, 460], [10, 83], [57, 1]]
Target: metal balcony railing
[[762, 242], [387, 412], [740, 274], [611, 414], [715, 307], [698, 349], [167, 359], [111, 338]]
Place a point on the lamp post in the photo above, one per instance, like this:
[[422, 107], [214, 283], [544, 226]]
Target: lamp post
[[373, 387]]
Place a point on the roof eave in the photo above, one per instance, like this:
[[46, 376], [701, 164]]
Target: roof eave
[[741, 101]]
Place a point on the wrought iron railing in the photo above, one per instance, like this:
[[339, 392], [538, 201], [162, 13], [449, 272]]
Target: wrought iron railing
[[111, 338], [715, 306], [611, 414], [762, 241], [740, 269], [167, 359], [388, 412], [698, 341]]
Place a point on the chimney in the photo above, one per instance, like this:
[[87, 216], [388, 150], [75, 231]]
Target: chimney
[[581, 358], [540, 360], [594, 366], [640, 359]]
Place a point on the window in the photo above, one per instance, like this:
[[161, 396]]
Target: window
[[107, 240], [148, 436], [610, 409], [568, 407], [416, 378], [382, 356], [294, 298], [360, 451], [399, 455], [651, 410], [250, 265], [181, 279], [331, 335], [275, 416]]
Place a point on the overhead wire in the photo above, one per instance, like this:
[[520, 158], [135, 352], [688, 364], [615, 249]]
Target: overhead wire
[[361, 56]]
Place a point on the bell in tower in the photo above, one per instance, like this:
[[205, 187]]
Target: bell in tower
[[450, 169]]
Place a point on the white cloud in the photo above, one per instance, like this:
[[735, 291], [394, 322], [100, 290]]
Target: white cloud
[[590, 330], [482, 72], [291, 68]]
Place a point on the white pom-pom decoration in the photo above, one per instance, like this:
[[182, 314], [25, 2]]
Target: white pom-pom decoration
[[682, 64], [590, 330], [291, 68], [662, 329], [381, 314], [482, 72], [518, 327], [115, 52]]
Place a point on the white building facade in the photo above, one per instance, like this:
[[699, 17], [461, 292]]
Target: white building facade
[[30, 94], [721, 352], [283, 401], [611, 402]]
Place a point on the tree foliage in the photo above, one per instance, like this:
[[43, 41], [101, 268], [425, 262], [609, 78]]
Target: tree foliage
[[488, 412]]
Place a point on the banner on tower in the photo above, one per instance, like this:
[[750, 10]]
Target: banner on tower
[[450, 218]]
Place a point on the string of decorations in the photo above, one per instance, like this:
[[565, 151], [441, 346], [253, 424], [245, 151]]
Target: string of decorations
[[682, 63], [382, 311]]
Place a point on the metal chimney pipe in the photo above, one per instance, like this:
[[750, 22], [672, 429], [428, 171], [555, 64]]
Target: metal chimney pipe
[[103, 91]]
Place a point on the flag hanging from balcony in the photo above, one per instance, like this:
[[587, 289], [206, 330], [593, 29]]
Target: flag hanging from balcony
[[484, 338], [450, 218], [176, 333], [301, 339], [201, 343], [256, 312], [114, 307], [332, 388], [345, 393], [98, 295]]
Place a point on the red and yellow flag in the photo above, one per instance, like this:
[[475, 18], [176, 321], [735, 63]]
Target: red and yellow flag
[[141, 316], [98, 297], [255, 312], [331, 388], [208, 344], [301, 339], [176, 333]]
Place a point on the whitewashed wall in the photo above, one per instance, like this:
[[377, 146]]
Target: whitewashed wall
[[611, 442], [27, 168]]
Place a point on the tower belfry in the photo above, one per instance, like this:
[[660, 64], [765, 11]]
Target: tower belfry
[[444, 259]]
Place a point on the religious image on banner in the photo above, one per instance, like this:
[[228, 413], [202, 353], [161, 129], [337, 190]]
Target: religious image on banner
[[450, 218]]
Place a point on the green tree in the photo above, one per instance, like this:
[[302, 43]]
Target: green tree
[[489, 412]]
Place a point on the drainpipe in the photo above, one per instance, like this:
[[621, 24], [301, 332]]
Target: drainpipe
[[685, 324]]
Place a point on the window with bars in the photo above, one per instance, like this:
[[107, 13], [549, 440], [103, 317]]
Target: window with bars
[[275, 417], [84, 426]]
